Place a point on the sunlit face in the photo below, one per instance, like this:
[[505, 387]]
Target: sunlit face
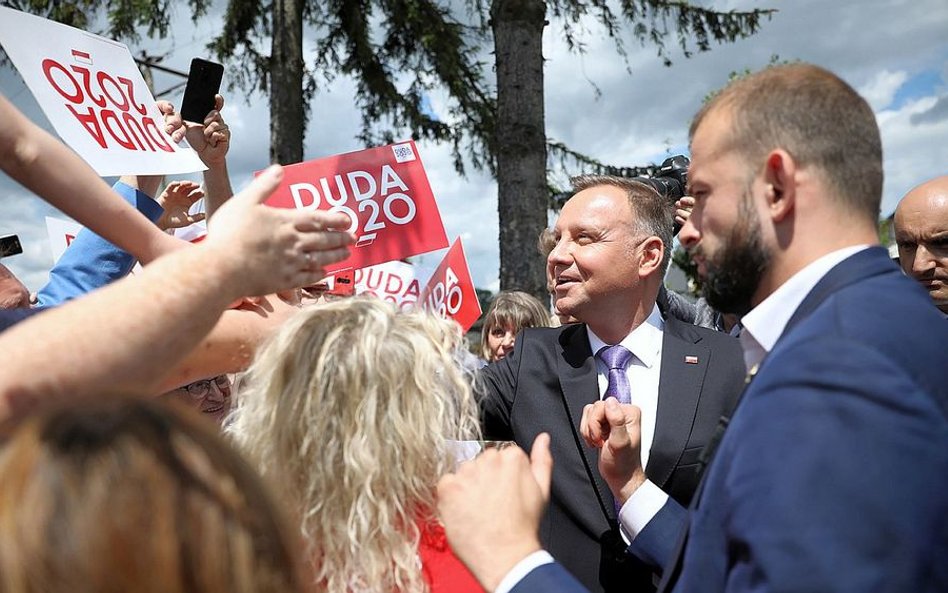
[[921, 232], [500, 340], [594, 264], [723, 234], [208, 396]]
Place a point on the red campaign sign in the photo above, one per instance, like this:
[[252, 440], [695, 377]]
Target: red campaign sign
[[450, 292], [384, 191]]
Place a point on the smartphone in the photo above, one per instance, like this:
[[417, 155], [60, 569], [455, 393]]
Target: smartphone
[[10, 245], [204, 81]]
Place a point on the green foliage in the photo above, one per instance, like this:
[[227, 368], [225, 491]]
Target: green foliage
[[652, 21], [124, 17], [398, 52]]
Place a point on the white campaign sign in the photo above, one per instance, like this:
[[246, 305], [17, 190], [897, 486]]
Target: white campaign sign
[[61, 233], [92, 92], [394, 281]]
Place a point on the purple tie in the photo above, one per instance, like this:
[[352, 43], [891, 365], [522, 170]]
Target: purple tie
[[617, 359]]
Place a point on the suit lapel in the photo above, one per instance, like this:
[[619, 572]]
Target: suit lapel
[[684, 365], [580, 386]]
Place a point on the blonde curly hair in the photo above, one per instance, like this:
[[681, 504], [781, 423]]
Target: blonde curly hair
[[347, 412]]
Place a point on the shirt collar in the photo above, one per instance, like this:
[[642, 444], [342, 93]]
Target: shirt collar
[[764, 324], [645, 341]]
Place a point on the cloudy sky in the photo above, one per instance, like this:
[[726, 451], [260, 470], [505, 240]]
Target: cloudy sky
[[895, 52]]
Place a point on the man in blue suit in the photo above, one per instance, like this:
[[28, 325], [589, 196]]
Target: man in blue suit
[[833, 472]]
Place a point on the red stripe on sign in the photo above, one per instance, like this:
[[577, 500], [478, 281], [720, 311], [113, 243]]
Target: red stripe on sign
[[81, 54]]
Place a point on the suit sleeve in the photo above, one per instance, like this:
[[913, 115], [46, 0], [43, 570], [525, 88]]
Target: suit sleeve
[[497, 388], [91, 262], [549, 578], [835, 477], [656, 542]]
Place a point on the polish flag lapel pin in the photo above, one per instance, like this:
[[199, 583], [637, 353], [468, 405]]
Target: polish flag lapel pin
[[689, 359]]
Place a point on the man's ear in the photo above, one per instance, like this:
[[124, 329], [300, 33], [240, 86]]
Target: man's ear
[[780, 184], [652, 253]]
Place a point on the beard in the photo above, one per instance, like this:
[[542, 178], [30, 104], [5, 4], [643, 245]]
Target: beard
[[733, 273]]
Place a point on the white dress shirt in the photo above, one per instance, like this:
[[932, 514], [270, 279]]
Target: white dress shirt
[[643, 372], [762, 326]]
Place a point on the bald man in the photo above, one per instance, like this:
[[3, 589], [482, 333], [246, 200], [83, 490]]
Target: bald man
[[921, 232]]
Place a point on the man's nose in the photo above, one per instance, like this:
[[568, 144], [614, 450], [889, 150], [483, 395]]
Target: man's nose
[[689, 236], [923, 262]]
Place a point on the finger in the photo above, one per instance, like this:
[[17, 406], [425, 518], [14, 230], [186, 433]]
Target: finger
[[584, 424], [319, 259], [213, 119], [590, 427], [331, 220], [541, 463], [218, 102], [165, 107], [598, 425], [618, 420], [323, 240], [262, 186], [198, 217]]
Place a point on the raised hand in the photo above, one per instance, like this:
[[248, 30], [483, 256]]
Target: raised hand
[[616, 430], [177, 200], [275, 249], [491, 508], [210, 139]]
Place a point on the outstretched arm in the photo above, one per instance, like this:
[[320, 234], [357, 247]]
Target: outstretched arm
[[491, 509], [126, 336], [45, 166]]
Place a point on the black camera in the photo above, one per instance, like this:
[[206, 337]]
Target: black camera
[[671, 179]]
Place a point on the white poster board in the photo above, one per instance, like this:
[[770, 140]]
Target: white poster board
[[394, 281], [92, 92], [61, 234]]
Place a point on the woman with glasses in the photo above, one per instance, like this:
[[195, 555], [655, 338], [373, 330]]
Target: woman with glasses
[[211, 397]]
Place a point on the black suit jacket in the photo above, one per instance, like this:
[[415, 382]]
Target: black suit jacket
[[543, 385]]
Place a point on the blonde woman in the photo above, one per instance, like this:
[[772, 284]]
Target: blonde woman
[[347, 411]]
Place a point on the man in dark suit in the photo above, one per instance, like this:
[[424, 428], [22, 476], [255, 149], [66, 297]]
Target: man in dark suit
[[833, 472], [609, 254]]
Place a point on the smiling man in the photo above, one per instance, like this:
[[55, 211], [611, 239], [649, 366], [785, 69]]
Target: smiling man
[[921, 232], [832, 473], [610, 250]]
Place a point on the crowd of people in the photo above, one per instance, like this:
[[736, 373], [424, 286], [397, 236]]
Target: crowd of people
[[199, 426]]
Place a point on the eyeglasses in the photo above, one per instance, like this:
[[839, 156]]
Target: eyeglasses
[[199, 389]]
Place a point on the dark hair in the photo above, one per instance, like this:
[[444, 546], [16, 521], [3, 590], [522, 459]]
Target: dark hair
[[817, 118], [124, 494], [652, 213]]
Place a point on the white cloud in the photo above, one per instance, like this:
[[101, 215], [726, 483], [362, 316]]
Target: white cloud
[[876, 45], [880, 91]]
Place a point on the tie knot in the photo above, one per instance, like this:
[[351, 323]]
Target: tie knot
[[615, 357]]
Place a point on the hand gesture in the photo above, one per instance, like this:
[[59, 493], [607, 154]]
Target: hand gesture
[[177, 200], [616, 430], [491, 508], [210, 140], [683, 208], [174, 125], [268, 249]]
